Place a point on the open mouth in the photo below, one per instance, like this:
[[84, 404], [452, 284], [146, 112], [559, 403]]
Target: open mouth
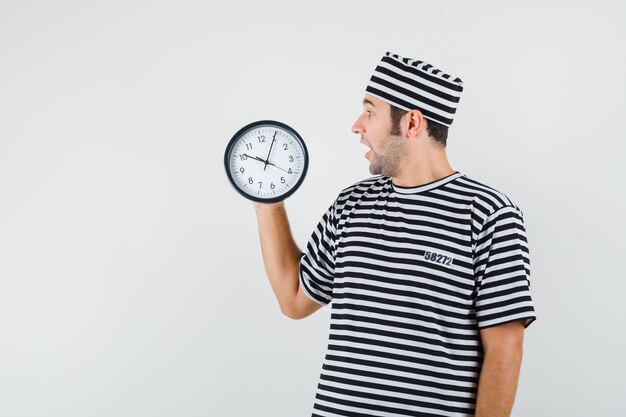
[[369, 152]]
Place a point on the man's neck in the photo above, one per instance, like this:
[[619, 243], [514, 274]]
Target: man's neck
[[419, 171]]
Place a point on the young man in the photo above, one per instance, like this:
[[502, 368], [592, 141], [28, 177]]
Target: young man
[[428, 270]]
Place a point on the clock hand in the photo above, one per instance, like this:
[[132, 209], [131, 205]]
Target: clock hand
[[269, 163], [254, 157], [265, 162], [270, 152]]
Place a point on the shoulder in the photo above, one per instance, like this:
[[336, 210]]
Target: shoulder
[[355, 192], [490, 206], [487, 199]]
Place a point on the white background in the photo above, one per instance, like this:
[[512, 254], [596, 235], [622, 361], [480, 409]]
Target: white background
[[131, 277]]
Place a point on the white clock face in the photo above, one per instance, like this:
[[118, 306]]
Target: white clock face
[[266, 161]]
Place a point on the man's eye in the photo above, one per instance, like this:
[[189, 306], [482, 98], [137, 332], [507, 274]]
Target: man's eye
[[369, 113]]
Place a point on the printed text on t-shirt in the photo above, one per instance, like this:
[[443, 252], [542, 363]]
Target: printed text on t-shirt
[[438, 258]]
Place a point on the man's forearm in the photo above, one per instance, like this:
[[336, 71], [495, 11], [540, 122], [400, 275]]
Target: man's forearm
[[281, 255], [498, 382]]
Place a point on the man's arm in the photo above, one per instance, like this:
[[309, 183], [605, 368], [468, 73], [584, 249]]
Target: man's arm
[[281, 258], [502, 346]]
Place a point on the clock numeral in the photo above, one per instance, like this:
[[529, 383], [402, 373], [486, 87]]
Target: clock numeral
[[261, 139], [290, 171], [260, 185], [250, 181], [290, 158], [285, 146], [272, 186], [242, 170], [282, 180], [249, 146], [243, 157]]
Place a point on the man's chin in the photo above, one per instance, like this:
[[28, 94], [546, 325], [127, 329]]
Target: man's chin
[[374, 170]]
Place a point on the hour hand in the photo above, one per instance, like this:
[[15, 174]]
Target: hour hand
[[255, 157]]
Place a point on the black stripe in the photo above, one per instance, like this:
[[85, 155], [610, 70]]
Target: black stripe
[[351, 413]]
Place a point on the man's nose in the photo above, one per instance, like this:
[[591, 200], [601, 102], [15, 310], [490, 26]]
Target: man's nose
[[357, 127]]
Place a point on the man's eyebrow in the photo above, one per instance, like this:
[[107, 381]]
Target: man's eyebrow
[[368, 101]]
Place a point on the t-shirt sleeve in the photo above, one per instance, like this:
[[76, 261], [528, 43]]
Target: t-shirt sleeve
[[502, 270], [317, 263]]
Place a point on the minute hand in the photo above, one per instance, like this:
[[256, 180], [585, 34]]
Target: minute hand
[[270, 152]]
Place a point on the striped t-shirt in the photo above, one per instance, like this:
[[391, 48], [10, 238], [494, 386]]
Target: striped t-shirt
[[413, 275]]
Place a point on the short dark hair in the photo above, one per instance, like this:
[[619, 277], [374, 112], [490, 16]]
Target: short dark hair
[[437, 131]]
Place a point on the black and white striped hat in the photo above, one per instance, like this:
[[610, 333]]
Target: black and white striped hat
[[411, 84]]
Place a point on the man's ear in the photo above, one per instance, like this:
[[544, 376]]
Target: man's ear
[[417, 123]]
